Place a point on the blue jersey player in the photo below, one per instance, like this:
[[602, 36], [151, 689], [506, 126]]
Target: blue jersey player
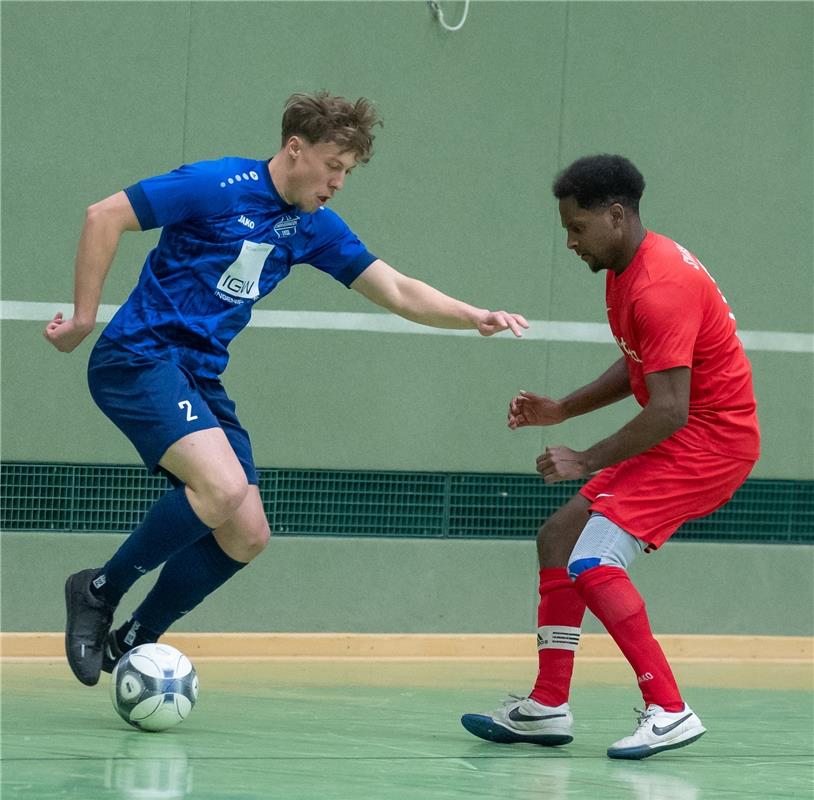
[[231, 230]]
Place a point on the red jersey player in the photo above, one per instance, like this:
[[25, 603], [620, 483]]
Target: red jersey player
[[692, 445]]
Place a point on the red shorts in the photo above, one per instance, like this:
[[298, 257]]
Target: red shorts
[[652, 494]]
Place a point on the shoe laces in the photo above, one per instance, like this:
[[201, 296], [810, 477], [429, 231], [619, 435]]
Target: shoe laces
[[644, 716], [512, 699]]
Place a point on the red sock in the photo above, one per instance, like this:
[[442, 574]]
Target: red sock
[[614, 600], [559, 619]]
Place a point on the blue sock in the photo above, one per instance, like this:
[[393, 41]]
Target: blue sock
[[170, 525], [187, 578], [132, 634]]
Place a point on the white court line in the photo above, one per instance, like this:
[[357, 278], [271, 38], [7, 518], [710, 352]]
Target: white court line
[[540, 329]]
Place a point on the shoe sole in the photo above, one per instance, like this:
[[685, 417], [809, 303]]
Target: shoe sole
[[80, 678], [486, 728], [638, 753]]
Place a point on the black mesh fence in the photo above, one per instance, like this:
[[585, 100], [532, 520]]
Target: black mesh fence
[[110, 498]]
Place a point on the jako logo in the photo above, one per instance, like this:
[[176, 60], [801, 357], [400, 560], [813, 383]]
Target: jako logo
[[244, 220], [648, 676]]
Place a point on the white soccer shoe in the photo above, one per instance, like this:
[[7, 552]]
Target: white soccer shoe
[[521, 719], [659, 730]]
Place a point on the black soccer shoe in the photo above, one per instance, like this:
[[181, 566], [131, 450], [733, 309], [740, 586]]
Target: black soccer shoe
[[89, 620], [111, 652]]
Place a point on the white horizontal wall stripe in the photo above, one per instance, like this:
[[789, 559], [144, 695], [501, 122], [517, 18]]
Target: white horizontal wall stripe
[[545, 330], [780, 341]]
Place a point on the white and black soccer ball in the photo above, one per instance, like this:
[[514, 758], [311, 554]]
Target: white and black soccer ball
[[154, 687]]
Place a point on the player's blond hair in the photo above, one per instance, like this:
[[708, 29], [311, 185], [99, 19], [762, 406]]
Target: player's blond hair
[[324, 117]]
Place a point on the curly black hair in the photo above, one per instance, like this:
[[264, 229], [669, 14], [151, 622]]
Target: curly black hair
[[600, 181]]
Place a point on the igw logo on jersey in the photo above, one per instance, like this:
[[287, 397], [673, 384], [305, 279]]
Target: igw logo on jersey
[[242, 277]]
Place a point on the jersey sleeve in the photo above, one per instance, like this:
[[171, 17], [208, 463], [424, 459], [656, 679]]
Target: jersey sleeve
[[667, 321], [336, 250], [192, 190]]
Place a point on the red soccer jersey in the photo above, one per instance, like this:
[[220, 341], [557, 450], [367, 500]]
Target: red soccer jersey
[[665, 310]]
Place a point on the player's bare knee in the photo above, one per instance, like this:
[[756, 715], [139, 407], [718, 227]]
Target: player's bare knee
[[543, 543], [221, 499], [232, 493], [246, 542], [257, 538], [555, 540]]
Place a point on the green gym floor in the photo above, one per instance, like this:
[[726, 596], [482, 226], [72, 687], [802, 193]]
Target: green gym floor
[[389, 730]]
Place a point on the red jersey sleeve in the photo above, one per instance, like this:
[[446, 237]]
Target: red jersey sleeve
[[667, 319]]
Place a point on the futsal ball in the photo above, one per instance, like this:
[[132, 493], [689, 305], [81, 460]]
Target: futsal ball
[[154, 687]]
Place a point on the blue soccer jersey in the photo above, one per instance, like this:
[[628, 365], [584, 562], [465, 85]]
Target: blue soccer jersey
[[228, 239]]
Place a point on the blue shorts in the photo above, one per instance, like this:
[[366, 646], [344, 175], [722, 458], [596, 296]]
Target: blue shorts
[[155, 402]]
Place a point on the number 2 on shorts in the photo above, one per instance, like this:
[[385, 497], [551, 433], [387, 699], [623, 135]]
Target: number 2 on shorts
[[188, 406]]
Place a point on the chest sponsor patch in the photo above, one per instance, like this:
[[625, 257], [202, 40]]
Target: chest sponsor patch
[[241, 278]]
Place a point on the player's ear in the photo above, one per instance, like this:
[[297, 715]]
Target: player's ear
[[293, 146], [617, 214]]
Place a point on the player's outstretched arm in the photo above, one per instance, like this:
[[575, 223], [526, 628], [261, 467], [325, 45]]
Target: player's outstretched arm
[[105, 222], [528, 408], [420, 302], [666, 412]]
